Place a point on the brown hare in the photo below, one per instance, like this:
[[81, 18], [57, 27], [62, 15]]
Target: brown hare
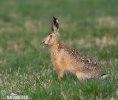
[[67, 59]]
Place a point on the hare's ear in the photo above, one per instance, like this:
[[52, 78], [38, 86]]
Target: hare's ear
[[55, 24]]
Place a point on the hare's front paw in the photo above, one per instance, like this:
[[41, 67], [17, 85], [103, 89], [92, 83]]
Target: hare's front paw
[[60, 75]]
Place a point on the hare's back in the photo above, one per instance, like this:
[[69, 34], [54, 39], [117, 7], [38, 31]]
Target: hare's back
[[84, 60]]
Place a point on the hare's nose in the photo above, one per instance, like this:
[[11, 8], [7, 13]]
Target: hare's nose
[[43, 41]]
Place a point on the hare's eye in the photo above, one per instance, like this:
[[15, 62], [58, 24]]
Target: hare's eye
[[50, 35]]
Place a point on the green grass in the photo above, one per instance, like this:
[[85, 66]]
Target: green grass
[[25, 67]]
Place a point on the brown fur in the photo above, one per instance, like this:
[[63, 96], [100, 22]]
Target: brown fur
[[67, 59]]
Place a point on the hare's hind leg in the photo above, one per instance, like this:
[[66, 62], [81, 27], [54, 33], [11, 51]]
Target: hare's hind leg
[[83, 76]]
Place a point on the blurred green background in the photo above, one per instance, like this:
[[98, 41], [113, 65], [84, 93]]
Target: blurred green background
[[25, 68]]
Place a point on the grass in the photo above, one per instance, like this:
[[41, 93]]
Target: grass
[[88, 25]]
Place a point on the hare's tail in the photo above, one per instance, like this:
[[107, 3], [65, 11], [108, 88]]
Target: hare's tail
[[104, 76]]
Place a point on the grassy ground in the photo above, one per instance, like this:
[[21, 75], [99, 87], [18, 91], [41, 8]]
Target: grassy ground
[[25, 68]]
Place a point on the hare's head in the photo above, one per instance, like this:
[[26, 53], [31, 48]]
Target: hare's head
[[53, 37]]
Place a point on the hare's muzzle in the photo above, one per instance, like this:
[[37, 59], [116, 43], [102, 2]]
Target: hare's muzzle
[[46, 40]]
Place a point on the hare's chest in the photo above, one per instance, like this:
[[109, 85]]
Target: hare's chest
[[57, 59]]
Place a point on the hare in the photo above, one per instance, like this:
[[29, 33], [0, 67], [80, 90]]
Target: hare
[[65, 58]]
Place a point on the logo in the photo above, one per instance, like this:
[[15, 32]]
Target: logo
[[14, 96]]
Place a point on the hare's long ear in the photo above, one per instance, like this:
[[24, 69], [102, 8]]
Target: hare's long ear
[[55, 24]]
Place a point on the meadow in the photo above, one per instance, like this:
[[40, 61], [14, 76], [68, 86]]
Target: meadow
[[91, 26]]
